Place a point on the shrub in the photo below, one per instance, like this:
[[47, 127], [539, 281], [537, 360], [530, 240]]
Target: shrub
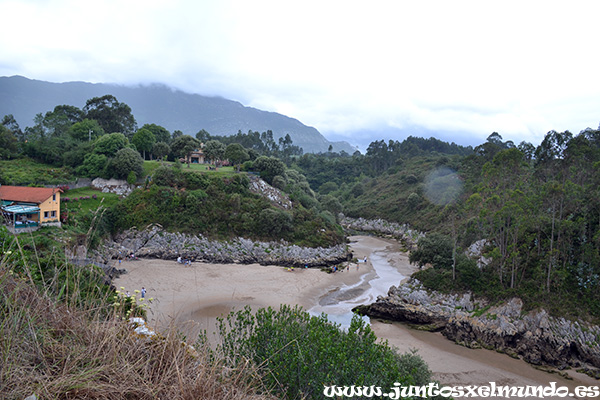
[[434, 249], [279, 182], [411, 179], [131, 178], [413, 200], [300, 353]]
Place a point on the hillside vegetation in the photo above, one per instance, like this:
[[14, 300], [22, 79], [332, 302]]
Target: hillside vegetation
[[534, 210]]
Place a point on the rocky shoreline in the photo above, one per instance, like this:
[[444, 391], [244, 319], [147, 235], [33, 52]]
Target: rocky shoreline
[[534, 336], [155, 242], [401, 232]]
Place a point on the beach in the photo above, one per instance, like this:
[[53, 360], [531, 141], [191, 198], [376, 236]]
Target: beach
[[192, 297]]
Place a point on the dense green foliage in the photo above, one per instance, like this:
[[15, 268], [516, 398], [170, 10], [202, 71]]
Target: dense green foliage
[[220, 207], [25, 172], [299, 354], [538, 211]]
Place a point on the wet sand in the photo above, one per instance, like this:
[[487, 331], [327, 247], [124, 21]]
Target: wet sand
[[192, 298]]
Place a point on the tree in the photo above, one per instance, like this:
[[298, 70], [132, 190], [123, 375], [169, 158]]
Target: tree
[[274, 222], [553, 146], [86, 130], [8, 143], [143, 140], [331, 204], [236, 153], [160, 149], [125, 161], [58, 122], [110, 144], [94, 165], [11, 123], [203, 136], [434, 249], [183, 146], [160, 134], [176, 133], [110, 114], [269, 167], [214, 150]]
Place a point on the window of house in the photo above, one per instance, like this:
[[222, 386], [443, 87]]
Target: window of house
[[53, 214], [54, 197], [45, 214]]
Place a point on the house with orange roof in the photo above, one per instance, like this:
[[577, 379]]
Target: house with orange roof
[[29, 207]]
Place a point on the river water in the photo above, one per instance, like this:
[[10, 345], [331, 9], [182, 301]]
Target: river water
[[339, 302], [450, 363]]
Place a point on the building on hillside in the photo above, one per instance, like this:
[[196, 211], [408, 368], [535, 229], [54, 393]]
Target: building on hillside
[[29, 207], [195, 157]]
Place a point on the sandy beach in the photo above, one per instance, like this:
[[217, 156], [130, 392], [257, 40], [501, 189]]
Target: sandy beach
[[193, 296]]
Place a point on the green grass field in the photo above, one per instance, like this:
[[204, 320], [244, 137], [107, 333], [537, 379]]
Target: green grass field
[[25, 171], [82, 200], [150, 166]]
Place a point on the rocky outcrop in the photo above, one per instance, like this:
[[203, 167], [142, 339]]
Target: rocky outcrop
[[155, 242], [274, 195], [402, 232], [117, 186], [534, 336]]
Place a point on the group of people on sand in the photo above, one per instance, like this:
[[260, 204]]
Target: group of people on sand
[[185, 261], [335, 268], [291, 269], [130, 257]]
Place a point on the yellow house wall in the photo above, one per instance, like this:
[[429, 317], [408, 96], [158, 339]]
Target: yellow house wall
[[50, 205]]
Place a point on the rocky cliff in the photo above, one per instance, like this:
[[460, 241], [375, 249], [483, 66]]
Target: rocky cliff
[[402, 232], [155, 242], [534, 336]]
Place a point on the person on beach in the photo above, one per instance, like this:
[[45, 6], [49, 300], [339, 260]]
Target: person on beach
[[143, 292], [179, 259]]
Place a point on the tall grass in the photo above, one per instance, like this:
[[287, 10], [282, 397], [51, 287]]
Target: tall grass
[[71, 349]]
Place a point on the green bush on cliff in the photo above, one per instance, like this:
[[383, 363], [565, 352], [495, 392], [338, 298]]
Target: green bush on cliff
[[300, 354], [220, 207]]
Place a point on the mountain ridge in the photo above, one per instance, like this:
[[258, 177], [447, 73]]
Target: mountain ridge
[[160, 104]]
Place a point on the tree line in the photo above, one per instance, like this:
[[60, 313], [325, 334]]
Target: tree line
[[103, 139]]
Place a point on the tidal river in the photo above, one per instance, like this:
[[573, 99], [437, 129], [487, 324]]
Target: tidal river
[[375, 280], [193, 297], [451, 364]]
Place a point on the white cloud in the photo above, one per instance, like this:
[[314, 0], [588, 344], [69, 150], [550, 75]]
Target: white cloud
[[518, 68]]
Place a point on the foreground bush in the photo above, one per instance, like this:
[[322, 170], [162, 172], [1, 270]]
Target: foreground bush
[[299, 354]]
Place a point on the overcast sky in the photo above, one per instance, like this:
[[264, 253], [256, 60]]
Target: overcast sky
[[355, 70]]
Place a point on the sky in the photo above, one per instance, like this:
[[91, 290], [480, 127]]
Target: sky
[[355, 70]]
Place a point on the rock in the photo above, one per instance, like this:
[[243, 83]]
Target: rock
[[475, 251], [402, 232], [117, 186], [536, 336], [274, 195], [154, 242]]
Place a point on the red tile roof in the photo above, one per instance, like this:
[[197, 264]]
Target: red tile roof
[[26, 194]]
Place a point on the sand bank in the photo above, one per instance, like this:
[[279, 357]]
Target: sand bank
[[192, 297]]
